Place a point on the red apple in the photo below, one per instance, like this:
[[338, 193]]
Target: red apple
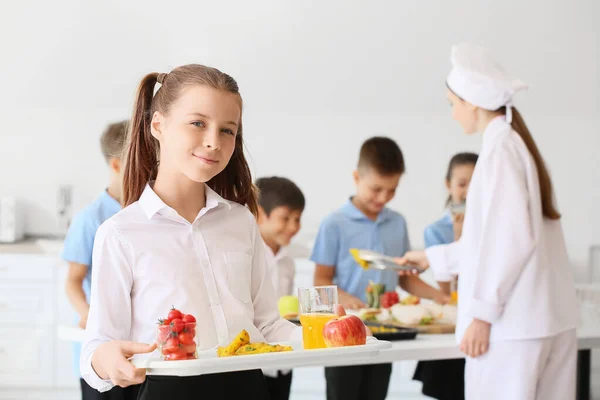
[[347, 330]]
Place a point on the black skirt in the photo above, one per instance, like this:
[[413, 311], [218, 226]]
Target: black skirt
[[442, 379], [224, 386]]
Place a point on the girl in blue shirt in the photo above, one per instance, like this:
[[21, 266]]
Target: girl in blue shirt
[[444, 379]]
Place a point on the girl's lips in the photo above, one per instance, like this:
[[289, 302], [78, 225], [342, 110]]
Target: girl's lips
[[207, 160]]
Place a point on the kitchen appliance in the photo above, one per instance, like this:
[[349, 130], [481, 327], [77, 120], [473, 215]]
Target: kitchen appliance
[[12, 220]]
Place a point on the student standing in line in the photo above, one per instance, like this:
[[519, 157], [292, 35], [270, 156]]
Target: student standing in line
[[444, 379]]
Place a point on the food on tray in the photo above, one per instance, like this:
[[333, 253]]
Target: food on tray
[[376, 329], [261, 348], [389, 299], [348, 330], [410, 300], [176, 336], [373, 293], [241, 346], [411, 315], [242, 339], [288, 306], [434, 309]]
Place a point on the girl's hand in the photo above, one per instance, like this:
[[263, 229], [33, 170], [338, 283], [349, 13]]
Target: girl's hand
[[457, 225], [476, 340], [416, 257], [110, 361], [340, 311]]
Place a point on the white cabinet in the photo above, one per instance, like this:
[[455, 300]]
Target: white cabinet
[[32, 303], [26, 356]]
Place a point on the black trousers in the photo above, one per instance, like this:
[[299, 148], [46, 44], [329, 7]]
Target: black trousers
[[361, 382], [279, 388], [224, 386], [116, 393], [442, 379]]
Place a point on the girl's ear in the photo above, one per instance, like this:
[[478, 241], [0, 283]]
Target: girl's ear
[[156, 125]]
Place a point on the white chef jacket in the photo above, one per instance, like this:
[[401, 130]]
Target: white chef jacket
[[513, 264]]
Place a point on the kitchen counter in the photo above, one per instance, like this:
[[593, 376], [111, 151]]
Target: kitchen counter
[[34, 245]]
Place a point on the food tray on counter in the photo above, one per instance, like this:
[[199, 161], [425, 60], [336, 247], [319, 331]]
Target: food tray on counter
[[209, 363], [391, 332]]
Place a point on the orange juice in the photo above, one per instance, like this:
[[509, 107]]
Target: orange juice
[[312, 329], [454, 298]]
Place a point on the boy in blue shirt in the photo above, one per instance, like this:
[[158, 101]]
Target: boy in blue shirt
[[365, 223], [79, 243]]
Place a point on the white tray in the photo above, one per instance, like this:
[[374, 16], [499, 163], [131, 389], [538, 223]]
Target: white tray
[[209, 363]]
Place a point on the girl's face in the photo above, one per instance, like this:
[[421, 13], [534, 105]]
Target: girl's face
[[458, 184], [463, 112], [197, 136]]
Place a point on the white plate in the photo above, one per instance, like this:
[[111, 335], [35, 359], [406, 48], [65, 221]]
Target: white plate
[[209, 363]]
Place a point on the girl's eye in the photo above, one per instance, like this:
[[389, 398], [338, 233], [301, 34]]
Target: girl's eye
[[228, 131], [198, 124]]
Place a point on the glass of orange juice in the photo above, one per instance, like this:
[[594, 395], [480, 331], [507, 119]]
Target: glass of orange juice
[[454, 291], [317, 306]]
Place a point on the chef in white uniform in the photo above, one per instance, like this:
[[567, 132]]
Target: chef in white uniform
[[517, 309]]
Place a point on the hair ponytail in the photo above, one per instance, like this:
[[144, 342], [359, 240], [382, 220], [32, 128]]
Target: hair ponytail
[[141, 153], [548, 208]]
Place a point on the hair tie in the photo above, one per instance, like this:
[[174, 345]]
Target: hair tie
[[161, 78]]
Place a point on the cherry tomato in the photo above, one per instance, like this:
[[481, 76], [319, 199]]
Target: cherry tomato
[[174, 314], [188, 318], [164, 332], [189, 348], [171, 345], [186, 338], [191, 331], [177, 325]]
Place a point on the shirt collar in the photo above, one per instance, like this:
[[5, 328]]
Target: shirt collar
[[282, 253], [351, 211], [151, 204]]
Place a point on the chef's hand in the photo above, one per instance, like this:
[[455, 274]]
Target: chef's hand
[[110, 361], [457, 225], [476, 340], [415, 257], [350, 302], [340, 311]]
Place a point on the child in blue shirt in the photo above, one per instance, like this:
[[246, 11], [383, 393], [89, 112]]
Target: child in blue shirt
[[364, 222], [444, 379], [79, 243]]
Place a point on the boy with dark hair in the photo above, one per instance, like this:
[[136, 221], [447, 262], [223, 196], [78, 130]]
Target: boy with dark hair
[[365, 223]]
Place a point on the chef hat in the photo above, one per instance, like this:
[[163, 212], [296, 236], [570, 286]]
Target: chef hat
[[477, 78]]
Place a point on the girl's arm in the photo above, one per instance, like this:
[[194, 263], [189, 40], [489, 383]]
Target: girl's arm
[[109, 318]]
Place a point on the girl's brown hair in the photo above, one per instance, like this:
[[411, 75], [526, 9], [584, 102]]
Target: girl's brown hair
[[518, 124], [234, 183]]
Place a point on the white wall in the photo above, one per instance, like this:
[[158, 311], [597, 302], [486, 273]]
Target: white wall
[[317, 79]]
